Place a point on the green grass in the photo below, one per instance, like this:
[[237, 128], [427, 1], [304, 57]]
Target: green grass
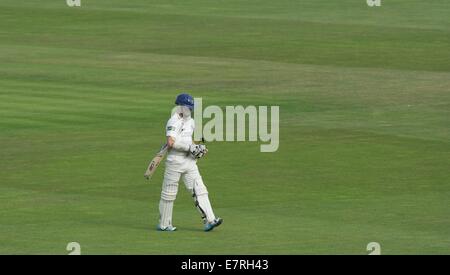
[[365, 125]]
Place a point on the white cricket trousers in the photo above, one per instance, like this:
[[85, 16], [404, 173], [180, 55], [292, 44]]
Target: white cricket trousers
[[193, 182]]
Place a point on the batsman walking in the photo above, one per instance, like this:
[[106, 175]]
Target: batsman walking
[[181, 163]]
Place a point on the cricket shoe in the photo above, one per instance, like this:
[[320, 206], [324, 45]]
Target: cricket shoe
[[168, 228], [210, 225]]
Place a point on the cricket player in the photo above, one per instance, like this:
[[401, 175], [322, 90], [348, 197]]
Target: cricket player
[[182, 163]]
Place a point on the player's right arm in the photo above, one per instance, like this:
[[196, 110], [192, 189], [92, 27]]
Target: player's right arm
[[178, 144], [197, 151], [173, 142]]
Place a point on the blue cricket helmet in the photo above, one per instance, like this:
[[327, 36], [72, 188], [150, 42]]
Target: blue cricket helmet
[[185, 100]]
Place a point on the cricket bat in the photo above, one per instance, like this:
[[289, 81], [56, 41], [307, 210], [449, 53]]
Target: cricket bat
[[155, 162]]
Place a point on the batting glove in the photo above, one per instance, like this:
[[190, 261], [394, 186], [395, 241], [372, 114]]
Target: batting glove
[[198, 150]]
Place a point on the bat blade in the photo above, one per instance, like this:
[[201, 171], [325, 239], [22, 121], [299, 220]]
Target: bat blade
[[155, 162]]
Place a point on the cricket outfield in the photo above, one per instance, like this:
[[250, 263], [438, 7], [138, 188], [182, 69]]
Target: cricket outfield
[[364, 141]]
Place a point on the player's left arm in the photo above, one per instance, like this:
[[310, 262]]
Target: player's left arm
[[196, 150]]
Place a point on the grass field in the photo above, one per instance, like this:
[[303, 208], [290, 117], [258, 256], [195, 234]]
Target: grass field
[[364, 96]]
